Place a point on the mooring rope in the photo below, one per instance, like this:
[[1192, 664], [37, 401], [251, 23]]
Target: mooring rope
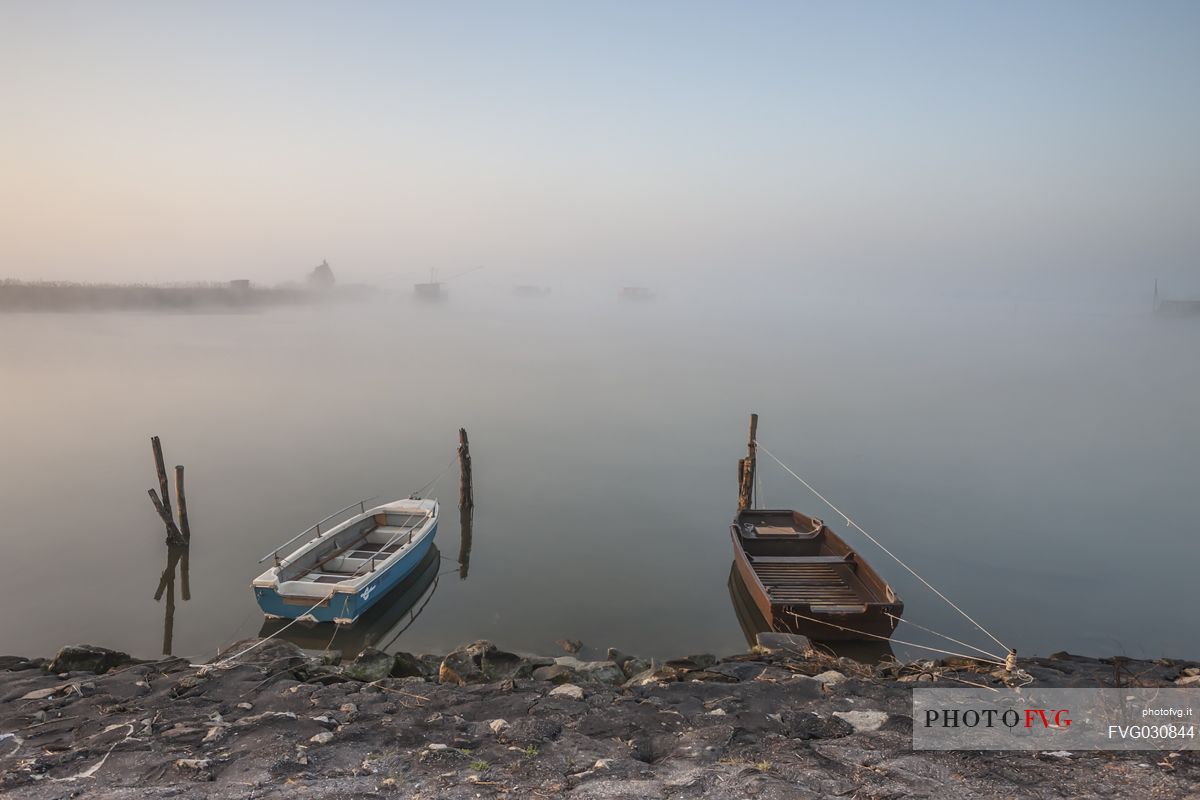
[[944, 636], [893, 639], [221, 664], [429, 486], [894, 557]]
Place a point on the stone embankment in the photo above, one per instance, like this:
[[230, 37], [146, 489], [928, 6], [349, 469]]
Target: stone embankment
[[784, 721]]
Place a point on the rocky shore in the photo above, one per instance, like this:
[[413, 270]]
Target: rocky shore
[[784, 721]]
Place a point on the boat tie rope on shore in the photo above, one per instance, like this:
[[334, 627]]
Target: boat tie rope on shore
[[990, 660], [204, 668], [879, 544]]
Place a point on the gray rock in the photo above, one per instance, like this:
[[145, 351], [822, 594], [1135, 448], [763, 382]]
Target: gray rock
[[600, 672], [684, 665], [807, 725], [406, 665], [324, 737], [572, 646], [370, 665], [635, 666], [15, 663], [88, 658], [324, 675], [463, 666], [653, 675], [738, 670], [830, 677], [481, 662], [785, 644], [863, 721], [265, 717], [531, 730], [708, 676], [569, 690], [555, 673], [618, 658], [500, 665]]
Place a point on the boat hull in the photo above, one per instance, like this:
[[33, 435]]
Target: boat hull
[[821, 625], [345, 607], [863, 608]]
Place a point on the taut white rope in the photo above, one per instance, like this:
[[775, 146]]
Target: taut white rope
[[893, 639], [895, 558], [944, 636]]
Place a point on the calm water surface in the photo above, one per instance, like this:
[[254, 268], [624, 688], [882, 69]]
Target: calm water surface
[[1039, 466]]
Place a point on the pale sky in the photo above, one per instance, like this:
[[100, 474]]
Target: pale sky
[[202, 141]]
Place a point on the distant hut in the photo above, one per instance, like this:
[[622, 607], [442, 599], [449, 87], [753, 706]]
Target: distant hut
[[1175, 308], [240, 285], [429, 291], [635, 293], [322, 276], [435, 289]]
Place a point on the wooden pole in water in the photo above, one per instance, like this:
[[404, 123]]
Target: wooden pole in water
[[168, 585], [162, 498], [174, 537], [466, 492], [464, 541], [742, 484], [185, 584], [160, 467], [752, 453], [181, 503], [746, 468]]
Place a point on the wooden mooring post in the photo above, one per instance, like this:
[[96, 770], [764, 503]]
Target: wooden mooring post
[[179, 536], [162, 503], [181, 503], [465, 525], [466, 492], [746, 468], [176, 562]]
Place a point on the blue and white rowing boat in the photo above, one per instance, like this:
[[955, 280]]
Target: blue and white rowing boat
[[344, 570]]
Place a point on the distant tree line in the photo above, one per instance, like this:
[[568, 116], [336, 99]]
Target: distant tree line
[[16, 295]]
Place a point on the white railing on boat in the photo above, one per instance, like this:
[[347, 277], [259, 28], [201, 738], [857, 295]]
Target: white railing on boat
[[361, 505]]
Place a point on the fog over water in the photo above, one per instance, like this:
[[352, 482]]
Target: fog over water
[[922, 241], [1036, 463]]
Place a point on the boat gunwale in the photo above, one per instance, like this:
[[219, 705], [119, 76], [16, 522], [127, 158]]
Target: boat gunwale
[[353, 584]]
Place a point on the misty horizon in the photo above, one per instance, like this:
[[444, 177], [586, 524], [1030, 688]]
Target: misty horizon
[[992, 148]]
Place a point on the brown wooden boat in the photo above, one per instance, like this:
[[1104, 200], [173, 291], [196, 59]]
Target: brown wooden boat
[[793, 564]]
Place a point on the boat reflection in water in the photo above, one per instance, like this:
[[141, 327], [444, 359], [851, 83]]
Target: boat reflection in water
[[752, 623], [379, 627]]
